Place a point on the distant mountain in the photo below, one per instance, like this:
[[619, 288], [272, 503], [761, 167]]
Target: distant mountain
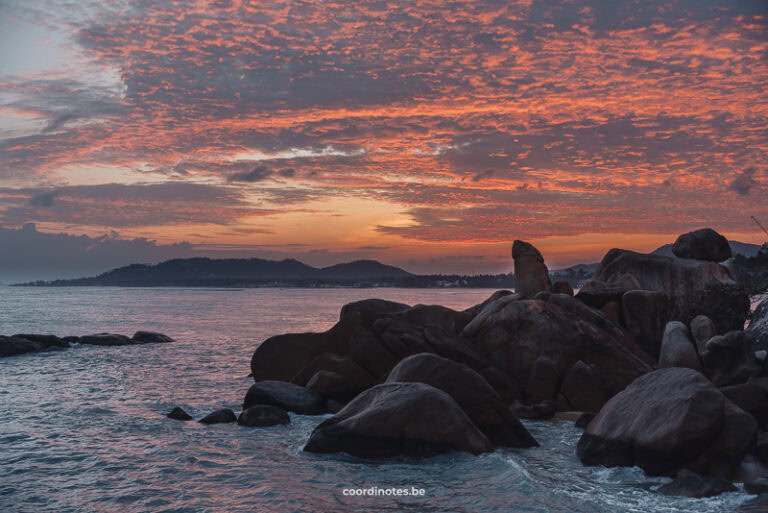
[[737, 248], [233, 272], [363, 269]]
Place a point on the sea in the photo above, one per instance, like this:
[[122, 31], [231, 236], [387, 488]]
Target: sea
[[84, 430]]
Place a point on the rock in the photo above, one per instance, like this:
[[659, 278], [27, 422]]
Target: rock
[[562, 287], [13, 346], [514, 334], [150, 337], [542, 410], [179, 414], [729, 359], [441, 317], [332, 385], [758, 326], [531, 273], [506, 386], [757, 505], [758, 486], [702, 329], [584, 419], [476, 309], [282, 357], [583, 388], [677, 349], [612, 311], [544, 381], [47, 341], [694, 287], [689, 484], [106, 339], [471, 392], [285, 395], [751, 398], [399, 419], [725, 453], [597, 293], [263, 415], [225, 415], [644, 314], [703, 244], [761, 446], [660, 422], [338, 364]]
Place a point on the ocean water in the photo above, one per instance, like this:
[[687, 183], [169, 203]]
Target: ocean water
[[83, 430]]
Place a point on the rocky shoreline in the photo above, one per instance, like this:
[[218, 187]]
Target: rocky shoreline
[[651, 358], [24, 343]]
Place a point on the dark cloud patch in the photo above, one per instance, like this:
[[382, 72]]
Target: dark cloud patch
[[122, 205], [257, 174], [744, 181], [44, 199], [373, 248]]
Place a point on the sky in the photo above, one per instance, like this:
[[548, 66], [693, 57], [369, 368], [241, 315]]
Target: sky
[[426, 134]]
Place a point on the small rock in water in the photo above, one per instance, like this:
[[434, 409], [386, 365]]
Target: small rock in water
[[150, 337], [219, 417], [758, 486], [263, 415], [688, 484], [179, 414]]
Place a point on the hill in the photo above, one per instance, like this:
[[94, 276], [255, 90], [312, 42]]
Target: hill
[[234, 272]]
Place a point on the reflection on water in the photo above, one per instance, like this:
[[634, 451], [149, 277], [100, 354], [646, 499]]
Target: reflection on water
[[83, 430]]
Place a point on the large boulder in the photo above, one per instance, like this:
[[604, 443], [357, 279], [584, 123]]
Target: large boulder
[[285, 395], [531, 273], [332, 385], [758, 326], [703, 244], [516, 333], [644, 314], [664, 421], [283, 356], [399, 419], [702, 329], [472, 393], [694, 287], [729, 359], [582, 389], [677, 348]]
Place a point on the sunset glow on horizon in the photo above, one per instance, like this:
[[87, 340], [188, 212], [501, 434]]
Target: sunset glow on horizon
[[427, 135]]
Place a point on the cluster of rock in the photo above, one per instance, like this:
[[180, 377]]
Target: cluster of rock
[[255, 416], [32, 343], [651, 357]]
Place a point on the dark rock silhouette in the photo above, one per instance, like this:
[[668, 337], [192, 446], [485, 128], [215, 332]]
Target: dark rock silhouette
[[285, 395], [179, 414], [531, 273], [677, 348], [694, 287], [471, 392], [703, 244], [689, 484], [222, 416], [263, 415], [36, 343], [399, 419], [667, 420]]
